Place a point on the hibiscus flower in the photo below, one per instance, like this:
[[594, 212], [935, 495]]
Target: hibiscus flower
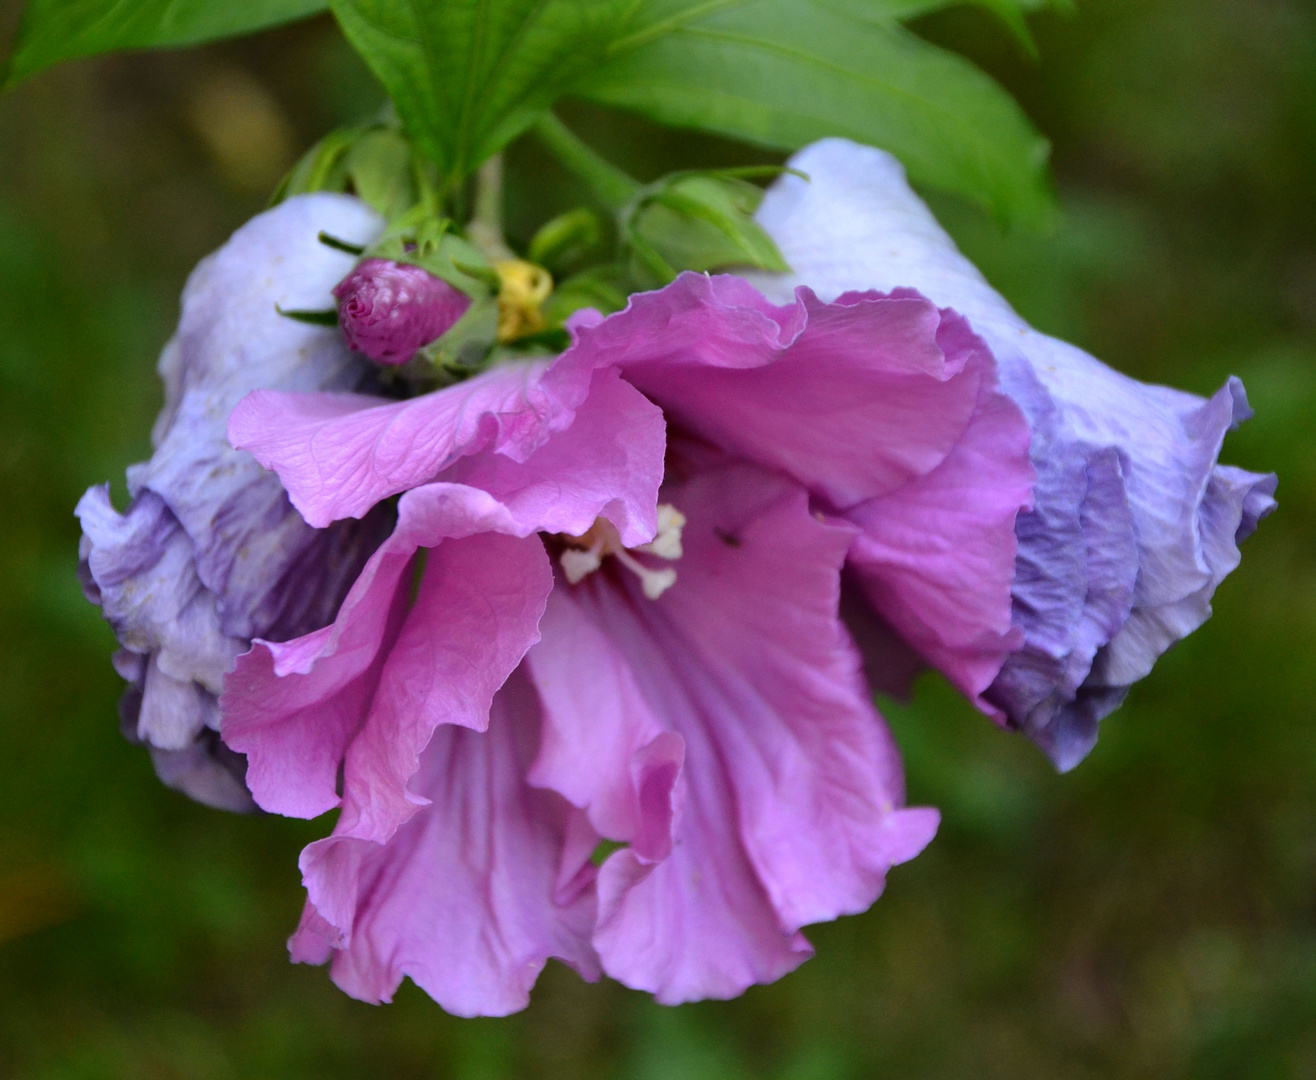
[[605, 631]]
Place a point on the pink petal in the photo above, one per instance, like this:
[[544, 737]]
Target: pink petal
[[340, 454], [463, 898], [608, 463], [852, 399], [476, 612], [937, 557], [791, 783], [623, 771], [294, 707]]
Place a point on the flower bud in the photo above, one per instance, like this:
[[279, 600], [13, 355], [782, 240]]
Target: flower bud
[[388, 310]]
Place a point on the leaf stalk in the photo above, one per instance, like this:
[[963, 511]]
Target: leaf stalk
[[485, 228]]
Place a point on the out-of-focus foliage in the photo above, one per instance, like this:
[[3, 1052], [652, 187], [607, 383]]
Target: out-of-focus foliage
[[55, 30], [1149, 915], [469, 76], [782, 73]]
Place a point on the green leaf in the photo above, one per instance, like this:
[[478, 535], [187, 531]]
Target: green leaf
[[55, 30], [1010, 12], [468, 76], [782, 73]]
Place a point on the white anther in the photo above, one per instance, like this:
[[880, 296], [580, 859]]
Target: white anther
[[578, 563], [653, 582], [585, 553], [666, 543]]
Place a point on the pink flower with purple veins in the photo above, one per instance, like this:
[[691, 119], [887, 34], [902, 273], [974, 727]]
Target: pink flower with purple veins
[[609, 611], [388, 310]]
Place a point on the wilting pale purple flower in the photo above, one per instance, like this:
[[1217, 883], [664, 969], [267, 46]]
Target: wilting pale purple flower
[[609, 610], [209, 553], [388, 310], [1134, 523]]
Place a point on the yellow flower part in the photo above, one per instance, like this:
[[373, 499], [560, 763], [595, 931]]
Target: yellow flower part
[[524, 287]]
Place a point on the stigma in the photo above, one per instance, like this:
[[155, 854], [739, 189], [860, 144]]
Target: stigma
[[585, 553]]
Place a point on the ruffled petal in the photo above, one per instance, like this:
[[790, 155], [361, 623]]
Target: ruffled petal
[[624, 772], [785, 811], [853, 399], [881, 404], [295, 707], [857, 225], [475, 614], [340, 454], [936, 557], [231, 340], [206, 771], [465, 898], [141, 565], [608, 463]]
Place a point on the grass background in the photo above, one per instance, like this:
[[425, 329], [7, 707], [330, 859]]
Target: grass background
[[1150, 915]]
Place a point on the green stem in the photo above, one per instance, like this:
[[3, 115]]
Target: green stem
[[486, 226], [608, 182]]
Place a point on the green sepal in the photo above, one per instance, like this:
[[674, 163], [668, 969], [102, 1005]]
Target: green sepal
[[330, 241], [464, 348], [565, 240], [697, 221], [481, 272], [603, 849], [315, 318], [421, 238], [376, 162], [604, 288]]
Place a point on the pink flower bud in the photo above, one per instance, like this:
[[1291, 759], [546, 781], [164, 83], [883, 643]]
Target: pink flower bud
[[389, 310]]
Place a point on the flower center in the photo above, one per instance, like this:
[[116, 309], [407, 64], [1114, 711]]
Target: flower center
[[524, 287], [585, 553]]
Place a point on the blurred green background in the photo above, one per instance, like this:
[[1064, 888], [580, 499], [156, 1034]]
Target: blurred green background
[[1153, 914]]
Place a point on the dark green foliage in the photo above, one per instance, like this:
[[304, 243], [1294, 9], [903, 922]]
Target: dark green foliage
[[468, 76], [55, 30], [782, 73]]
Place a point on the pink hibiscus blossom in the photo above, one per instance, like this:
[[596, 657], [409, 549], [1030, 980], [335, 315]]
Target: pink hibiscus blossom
[[609, 611]]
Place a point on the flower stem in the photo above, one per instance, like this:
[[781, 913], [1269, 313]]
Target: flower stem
[[486, 226], [614, 187]]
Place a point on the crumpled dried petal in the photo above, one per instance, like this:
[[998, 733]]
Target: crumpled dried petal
[[210, 553], [1134, 523]]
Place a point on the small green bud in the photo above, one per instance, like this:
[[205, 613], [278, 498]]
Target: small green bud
[[566, 239], [697, 221]]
